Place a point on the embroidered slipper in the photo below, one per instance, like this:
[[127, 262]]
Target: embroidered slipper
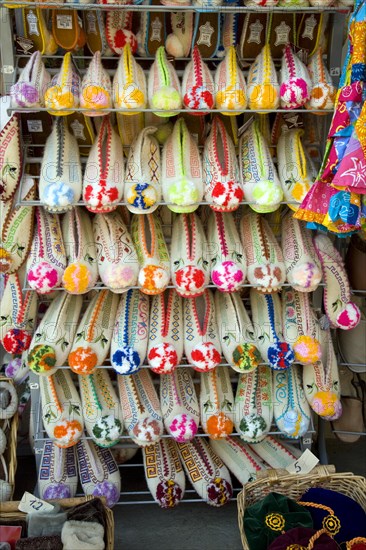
[[321, 382], [104, 171], [230, 28], [206, 472], [94, 25], [165, 347], [295, 82], [101, 408], [96, 88], [253, 35], [60, 177], [217, 403], [140, 408], [142, 184], [223, 189], [81, 273], [178, 43], [303, 268], [322, 89], [253, 412], [98, 472], [231, 92], [117, 260], [164, 473], [237, 336], [263, 87], [189, 267], [152, 253], [267, 320], [265, 265], [11, 158], [275, 453], [53, 338], [152, 32], [94, 333], [258, 175], [238, 458], [228, 262], [36, 29], [340, 311], [61, 408], [118, 27], [31, 85], [57, 475], [201, 343], [8, 399], [130, 333], [163, 86], [179, 405], [63, 91], [206, 33], [66, 28], [181, 170], [291, 410], [197, 84], [129, 83]]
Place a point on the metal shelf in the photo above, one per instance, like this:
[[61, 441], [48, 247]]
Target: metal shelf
[[102, 112]]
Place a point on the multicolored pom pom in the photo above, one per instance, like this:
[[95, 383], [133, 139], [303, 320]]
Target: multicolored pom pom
[[109, 491], [153, 279], [83, 360], [16, 340], [76, 278], [219, 426], [168, 493], [349, 317], [294, 93], [227, 196], [42, 359], [228, 276], [43, 277], [126, 360], [205, 357], [67, 433], [56, 491], [163, 358], [253, 426], [183, 428], [58, 195], [327, 405], [190, 281], [280, 355], [305, 277], [219, 492], [307, 350], [294, 424], [107, 430], [119, 276], [147, 431], [5, 260], [142, 195], [246, 357], [198, 97]]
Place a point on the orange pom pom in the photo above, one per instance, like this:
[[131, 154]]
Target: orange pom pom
[[83, 360], [219, 426]]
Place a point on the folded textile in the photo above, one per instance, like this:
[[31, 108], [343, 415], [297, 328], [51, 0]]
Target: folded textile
[[80, 535], [92, 511], [45, 524], [40, 543]]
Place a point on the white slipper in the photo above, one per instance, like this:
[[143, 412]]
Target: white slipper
[[94, 333], [165, 347], [263, 87], [63, 92], [197, 84], [117, 259], [164, 473], [142, 185], [152, 253], [8, 399], [6, 488], [217, 403], [179, 404], [265, 265], [61, 408], [322, 89], [129, 83], [163, 86], [141, 411], [230, 87], [201, 339], [57, 475], [178, 43], [31, 85], [118, 24], [238, 458], [206, 472], [189, 266], [295, 83], [11, 158], [96, 88], [181, 170], [275, 453], [130, 333]]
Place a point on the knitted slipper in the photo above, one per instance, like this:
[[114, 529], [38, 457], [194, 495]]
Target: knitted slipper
[[129, 82], [54, 335], [118, 27], [265, 266], [261, 185], [201, 343], [179, 404], [275, 453], [216, 403], [31, 85], [303, 268], [322, 89], [94, 25], [96, 88], [60, 177], [341, 312], [228, 262], [142, 184], [63, 91], [140, 408], [263, 88], [230, 28], [253, 35], [223, 190], [8, 399], [152, 253], [163, 85], [36, 29], [267, 320], [181, 170], [47, 258], [61, 408], [104, 171], [295, 81], [165, 347], [6, 488], [117, 261], [66, 29], [101, 408], [94, 333], [231, 92], [178, 43], [164, 473], [152, 32], [254, 405], [81, 273], [206, 472], [291, 409], [98, 472], [57, 475], [238, 458], [197, 85], [206, 33], [11, 158], [190, 269], [236, 331], [130, 334]]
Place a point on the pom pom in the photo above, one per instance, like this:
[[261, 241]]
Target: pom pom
[[119, 276], [174, 46], [142, 195], [253, 426], [12, 368], [5, 261], [168, 493], [183, 192], [219, 492], [123, 37], [267, 193], [227, 196], [231, 99], [307, 350], [305, 277], [109, 491], [263, 96], [219, 426], [246, 357], [16, 340], [163, 358], [95, 97], [294, 424], [57, 97], [268, 277], [42, 359], [327, 405], [320, 95], [67, 433], [83, 360], [131, 98], [153, 279], [76, 278], [294, 93], [107, 430], [183, 428], [190, 281], [228, 276], [349, 317], [147, 431], [56, 491], [198, 97], [43, 278], [280, 355], [25, 95], [126, 360], [163, 132], [205, 357], [166, 98], [58, 196]]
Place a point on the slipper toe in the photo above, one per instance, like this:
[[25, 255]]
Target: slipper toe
[[228, 276], [43, 277], [126, 360], [83, 360], [163, 358], [42, 359], [183, 428], [205, 357], [16, 340], [147, 430], [109, 491]]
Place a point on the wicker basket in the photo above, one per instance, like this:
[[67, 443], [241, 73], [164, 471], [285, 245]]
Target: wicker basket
[[10, 428], [294, 486], [9, 510]]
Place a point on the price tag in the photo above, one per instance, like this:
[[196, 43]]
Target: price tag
[[34, 385], [64, 22], [31, 504], [34, 125], [304, 464]]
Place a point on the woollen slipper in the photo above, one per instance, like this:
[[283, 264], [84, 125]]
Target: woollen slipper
[[231, 92], [152, 31], [322, 89], [291, 409], [94, 25], [197, 84], [262, 87], [206, 33], [164, 89], [96, 88], [240, 460], [36, 29], [217, 403], [352, 408], [11, 158], [62, 93], [118, 27], [253, 35], [295, 82], [31, 85], [57, 476], [178, 42], [129, 83], [275, 453], [66, 29]]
